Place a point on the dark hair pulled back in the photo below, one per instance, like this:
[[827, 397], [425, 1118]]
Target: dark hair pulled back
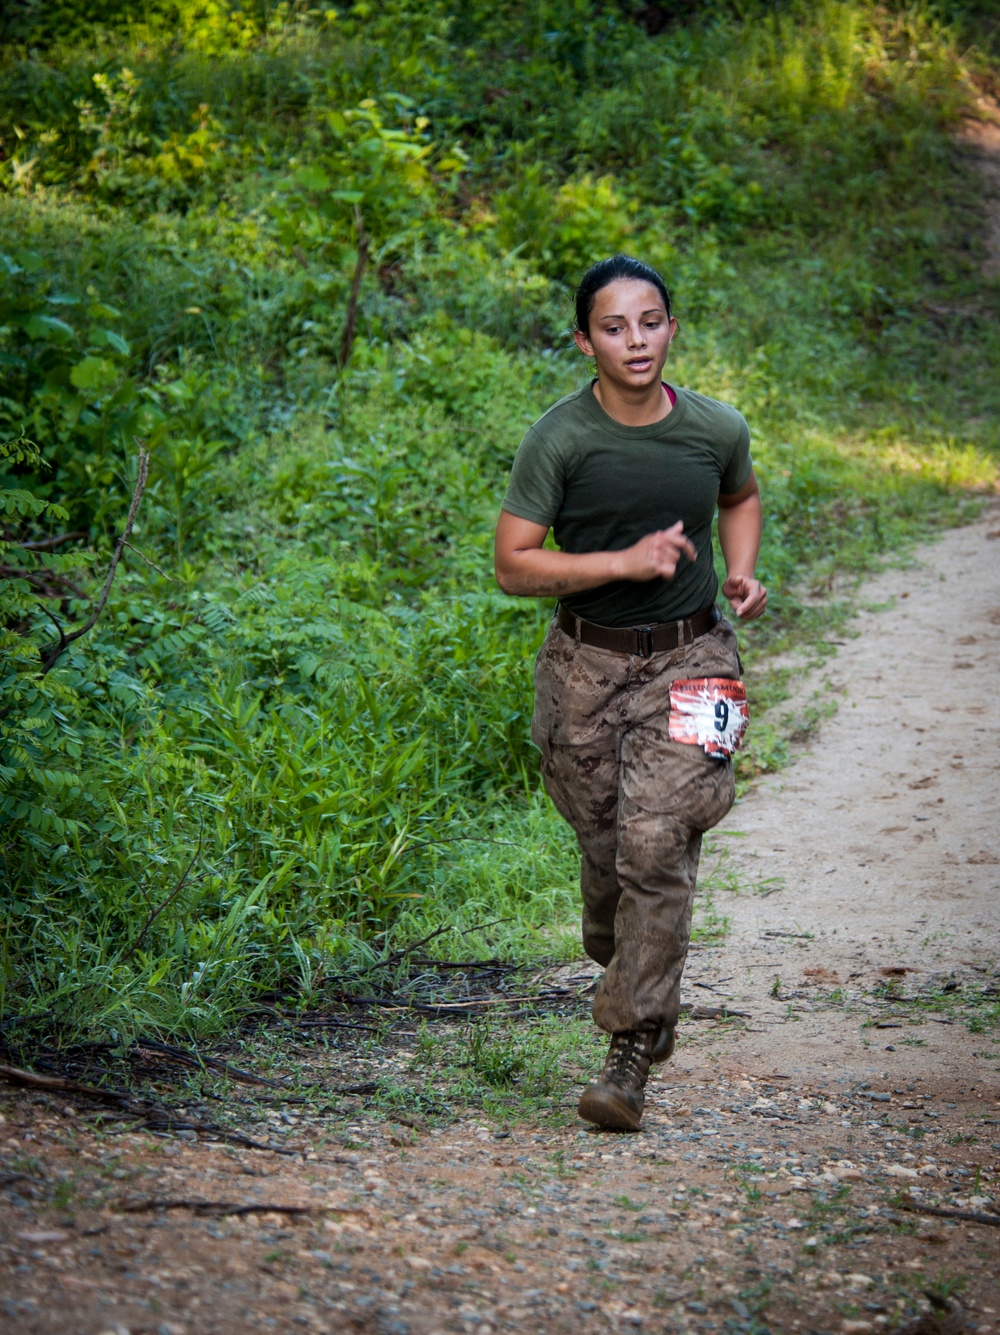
[[609, 271]]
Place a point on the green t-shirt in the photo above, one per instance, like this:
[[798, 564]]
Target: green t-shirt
[[601, 486]]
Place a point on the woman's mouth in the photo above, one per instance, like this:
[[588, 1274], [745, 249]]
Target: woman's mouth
[[639, 363]]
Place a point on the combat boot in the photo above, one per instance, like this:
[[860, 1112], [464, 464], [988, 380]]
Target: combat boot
[[615, 1099], [663, 1048]]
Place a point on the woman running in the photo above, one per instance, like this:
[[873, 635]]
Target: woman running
[[638, 702]]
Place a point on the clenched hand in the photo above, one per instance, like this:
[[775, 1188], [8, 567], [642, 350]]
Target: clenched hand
[[747, 596]]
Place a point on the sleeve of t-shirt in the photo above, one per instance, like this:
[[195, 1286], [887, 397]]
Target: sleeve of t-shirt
[[737, 469], [537, 480]]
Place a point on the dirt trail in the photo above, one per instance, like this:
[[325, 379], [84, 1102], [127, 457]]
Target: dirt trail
[[885, 838], [764, 1192]]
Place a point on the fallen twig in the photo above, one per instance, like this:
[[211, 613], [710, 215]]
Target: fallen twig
[[222, 1207], [152, 1115], [163, 1120], [458, 1008], [196, 1059], [946, 1212], [713, 1013], [329, 1022], [57, 1083]]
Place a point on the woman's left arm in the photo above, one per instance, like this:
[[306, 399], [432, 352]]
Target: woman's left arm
[[740, 525]]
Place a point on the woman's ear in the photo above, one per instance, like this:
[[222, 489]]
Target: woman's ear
[[583, 343]]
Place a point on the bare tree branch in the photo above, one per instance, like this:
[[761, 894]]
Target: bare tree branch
[[58, 625], [150, 563], [55, 652], [46, 544]]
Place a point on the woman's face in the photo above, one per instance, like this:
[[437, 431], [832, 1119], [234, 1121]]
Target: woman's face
[[629, 334]]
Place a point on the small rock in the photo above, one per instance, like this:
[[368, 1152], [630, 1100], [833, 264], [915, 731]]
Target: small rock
[[39, 1236], [856, 1327], [859, 1281], [898, 1170], [418, 1263], [699, 1308]]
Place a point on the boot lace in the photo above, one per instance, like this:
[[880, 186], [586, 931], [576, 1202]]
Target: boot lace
[[627, 1062]]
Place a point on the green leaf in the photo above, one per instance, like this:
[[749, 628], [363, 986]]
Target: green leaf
[[159, 972], [313, 178], [48, 327], [108, 338], [94, 373]]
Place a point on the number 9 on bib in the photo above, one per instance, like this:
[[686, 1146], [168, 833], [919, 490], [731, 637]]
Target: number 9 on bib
[[710, 712]]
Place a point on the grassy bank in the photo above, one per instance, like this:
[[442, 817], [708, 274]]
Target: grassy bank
[[298, 735]]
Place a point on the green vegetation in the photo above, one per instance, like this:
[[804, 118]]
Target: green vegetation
[[321, 260]]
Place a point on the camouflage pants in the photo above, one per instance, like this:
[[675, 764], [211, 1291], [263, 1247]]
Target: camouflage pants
[[639, 804]]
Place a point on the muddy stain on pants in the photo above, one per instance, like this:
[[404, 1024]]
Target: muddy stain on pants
[[639, 804]]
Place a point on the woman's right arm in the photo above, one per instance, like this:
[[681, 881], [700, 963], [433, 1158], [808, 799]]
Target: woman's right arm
[[525, 568]]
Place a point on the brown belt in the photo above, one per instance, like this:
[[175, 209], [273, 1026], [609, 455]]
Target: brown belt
[[640, 640]]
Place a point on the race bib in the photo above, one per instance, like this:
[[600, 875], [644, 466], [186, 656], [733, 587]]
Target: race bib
[[709, 711]]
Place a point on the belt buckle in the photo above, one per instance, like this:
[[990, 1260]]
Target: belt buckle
[[645, 636]]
